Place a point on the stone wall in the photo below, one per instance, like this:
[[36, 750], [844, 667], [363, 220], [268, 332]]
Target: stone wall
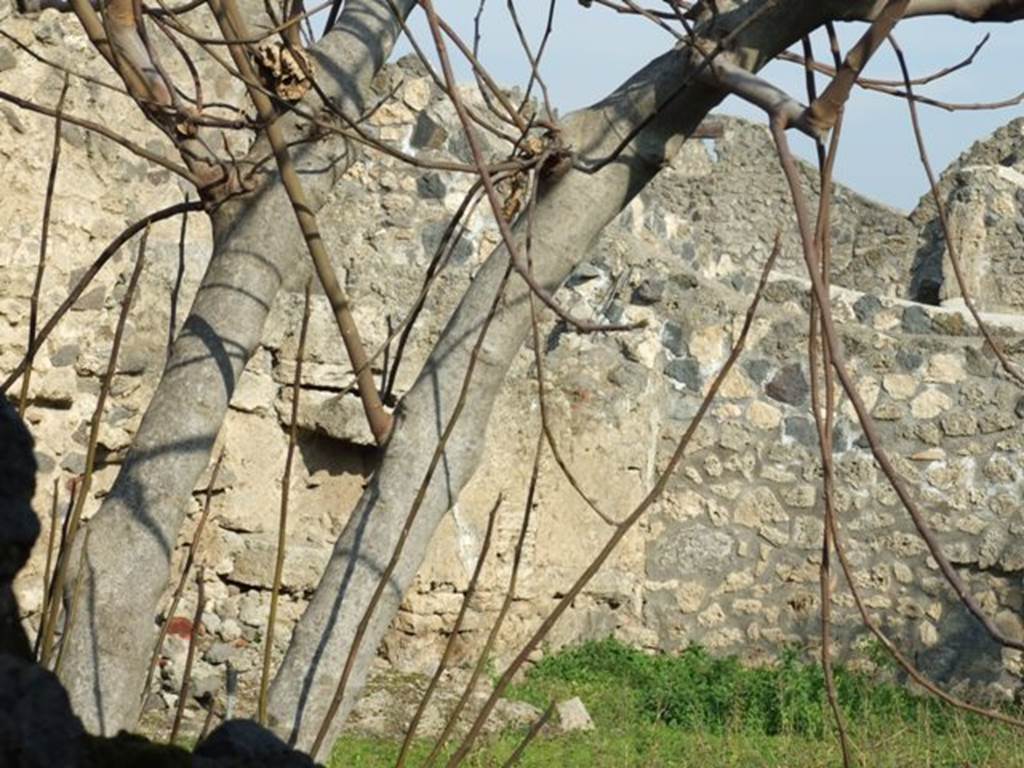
[[728, 558]]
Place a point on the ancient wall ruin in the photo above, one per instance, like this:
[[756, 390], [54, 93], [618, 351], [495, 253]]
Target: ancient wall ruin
[[729, 557]]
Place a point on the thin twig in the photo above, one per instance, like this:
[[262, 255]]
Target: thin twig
[[478, 73], [538, 358], [102, 130], [531, 734], [190, 655], [83, 282], [492, 195], [826, 163], [535, 60], [499, 620], [172, 323], [450, 238], [183, 578], [282, 524], [951, 248], [50, 542], [385, 577], [50, 594], [453, 635], [868, 82], [211, 712], [627, 524], [76, 594], [44, 237], [90, 456]]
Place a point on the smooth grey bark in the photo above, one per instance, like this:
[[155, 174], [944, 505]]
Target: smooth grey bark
[[134, 532], [569, 216]]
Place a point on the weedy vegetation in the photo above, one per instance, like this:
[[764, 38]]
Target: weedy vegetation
[[693, 709]]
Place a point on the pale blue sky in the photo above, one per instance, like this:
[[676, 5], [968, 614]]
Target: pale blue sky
[[593, 50]]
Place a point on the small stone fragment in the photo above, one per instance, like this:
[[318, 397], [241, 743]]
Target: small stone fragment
[[573, 716]]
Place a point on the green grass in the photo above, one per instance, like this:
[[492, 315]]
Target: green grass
[[696, 710]]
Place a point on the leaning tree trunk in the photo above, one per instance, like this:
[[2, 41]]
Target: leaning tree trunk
[[133, 534], [569, 216]]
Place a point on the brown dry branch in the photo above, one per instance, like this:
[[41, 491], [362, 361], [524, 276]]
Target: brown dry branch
[[190, 655], [824, 112], [282, 28], [863, 415], [958, 106], [196, 100], [450, 238], [485, 90], [631, 9], [403, 330], [493, 198], [538, 361], [628, 522], [186, 568], [453, 636], [954, 257], [535, 59], [872, 82], [499, 620], [410, 518], [44, 238], [506, 603], [513, 115], [48, 593], [824, 424], [282, 523], [63, 68], [76, 595], [75, 518], [117, 48], [103, 131], [488, 99], [51, 540], [172, 322], [763, 94], [531, 734], [83, 282], [887, 87], [231, 23], [492, 94], [661, 19]]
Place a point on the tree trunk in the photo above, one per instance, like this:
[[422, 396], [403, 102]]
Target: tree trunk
[[134, 532], [569, 217]]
